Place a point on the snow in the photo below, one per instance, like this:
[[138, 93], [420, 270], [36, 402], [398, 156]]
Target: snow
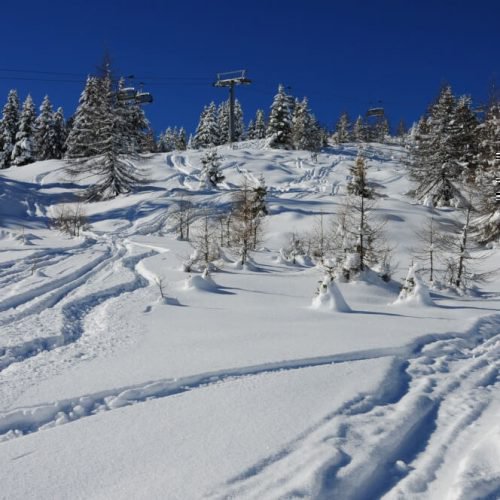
[[232, 385]]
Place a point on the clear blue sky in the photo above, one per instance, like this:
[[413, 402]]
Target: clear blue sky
[[343, 55]]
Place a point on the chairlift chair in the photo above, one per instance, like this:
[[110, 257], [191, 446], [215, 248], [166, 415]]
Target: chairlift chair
[[143, 98], [127, 94], [375, 112]]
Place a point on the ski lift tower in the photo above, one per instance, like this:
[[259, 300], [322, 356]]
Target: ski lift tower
[[231, 79]]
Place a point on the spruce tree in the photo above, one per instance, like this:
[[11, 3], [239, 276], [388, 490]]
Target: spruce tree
[[343, 129], [259, 125], [60, 133], [45, 131], [110, 159], [464, 139], [280, 123], [223, 122], [439, 152], [359, 130], [487, 225], [83, 137], [24, 151], [211, 174], [239, 124], [207, 133], [251, 130], [180, 140], [9, 129]]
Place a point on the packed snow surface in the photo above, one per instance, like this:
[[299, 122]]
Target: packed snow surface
[[238, 383]]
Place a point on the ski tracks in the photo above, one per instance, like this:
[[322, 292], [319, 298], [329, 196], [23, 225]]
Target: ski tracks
[[372, 445], [367, 448], [57, 313]]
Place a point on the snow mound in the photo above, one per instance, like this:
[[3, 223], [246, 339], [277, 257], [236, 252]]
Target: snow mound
[[330, 298], [414, 292], [203, 282]]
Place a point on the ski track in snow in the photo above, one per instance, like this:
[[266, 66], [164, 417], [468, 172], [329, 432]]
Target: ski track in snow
[[353, 452], [74, 307]]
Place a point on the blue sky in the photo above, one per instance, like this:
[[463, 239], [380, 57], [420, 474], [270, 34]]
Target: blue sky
[[345, 55]]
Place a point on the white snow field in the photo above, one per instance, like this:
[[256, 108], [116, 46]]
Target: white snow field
[[240, 386]]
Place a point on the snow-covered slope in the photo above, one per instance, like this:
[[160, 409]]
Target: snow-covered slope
[[234, 387]]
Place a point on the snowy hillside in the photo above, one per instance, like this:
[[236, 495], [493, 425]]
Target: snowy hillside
[[237, 385]]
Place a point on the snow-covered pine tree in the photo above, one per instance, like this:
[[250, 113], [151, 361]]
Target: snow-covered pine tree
[[24, 151], [166, 142], [487, 225], [358, 185], [239, 124], [180, 140], [465, 139], [280, 124], [116, 173], [83, 137], [358, 240], [343, 129], [437, 169], [60, 133], [250, 130], [381, 129], [207, 134], [45, 131], [305, 130], [9, 128], [223, 123], [260, 126], [359, 130], [210, 172]]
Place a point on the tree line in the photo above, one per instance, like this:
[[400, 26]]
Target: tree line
[[26, 137]]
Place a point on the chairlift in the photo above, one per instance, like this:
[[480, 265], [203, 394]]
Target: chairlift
[[375, 112], [127, 94], [143, 98]]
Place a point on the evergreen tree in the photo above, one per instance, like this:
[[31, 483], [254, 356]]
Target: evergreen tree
[[359, 130], [116, 174], [211, 174], [464, 139], [358, 184], [9, 129], [343, 129], [45, 131], [487, 225], [83, 137], [207, 134], [239, 124], [251, 130], [167, 141], [438, 151], [304, 127], [24, 151], [260, 125], [280, 124], [223, 122], [60, 133], [358, 240], [180, 140]]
